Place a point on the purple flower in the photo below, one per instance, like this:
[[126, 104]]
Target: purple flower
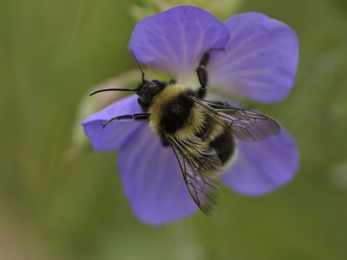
[[259, 62]]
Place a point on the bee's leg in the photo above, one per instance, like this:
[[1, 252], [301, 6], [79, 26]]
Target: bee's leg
[[142, 116], [202, 72]]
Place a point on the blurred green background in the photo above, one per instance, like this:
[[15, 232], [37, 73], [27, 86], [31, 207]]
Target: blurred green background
[[53, 52]]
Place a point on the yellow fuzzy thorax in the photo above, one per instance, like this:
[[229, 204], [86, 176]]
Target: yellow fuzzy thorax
[[195, 119]]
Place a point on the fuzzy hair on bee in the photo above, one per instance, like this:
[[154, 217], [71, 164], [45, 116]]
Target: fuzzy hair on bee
[[201, 133]]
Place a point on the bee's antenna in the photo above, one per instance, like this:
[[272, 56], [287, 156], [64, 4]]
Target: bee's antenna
[[124, 89], [112, 89], [138, 65]]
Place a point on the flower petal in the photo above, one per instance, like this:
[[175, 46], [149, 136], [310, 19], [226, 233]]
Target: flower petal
[[176, 39], [152, 180], [114, 135], [262, 167], [260, 59]]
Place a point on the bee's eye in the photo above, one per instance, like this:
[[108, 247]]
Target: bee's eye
[[156, 82]]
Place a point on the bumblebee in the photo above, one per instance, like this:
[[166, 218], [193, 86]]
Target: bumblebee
[[201, 133]]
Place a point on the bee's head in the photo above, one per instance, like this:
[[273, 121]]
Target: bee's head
[[147, 90]]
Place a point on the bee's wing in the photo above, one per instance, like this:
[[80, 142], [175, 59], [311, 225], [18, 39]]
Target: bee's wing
[[199, 166], [246, 125]]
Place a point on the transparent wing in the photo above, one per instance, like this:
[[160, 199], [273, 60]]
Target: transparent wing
[[200, 166], [246, 125]]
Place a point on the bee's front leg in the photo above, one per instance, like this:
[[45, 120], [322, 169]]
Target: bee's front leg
[[142, 116], [202, 72]]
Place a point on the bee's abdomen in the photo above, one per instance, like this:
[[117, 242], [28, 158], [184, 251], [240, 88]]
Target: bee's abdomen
[[224, 145]]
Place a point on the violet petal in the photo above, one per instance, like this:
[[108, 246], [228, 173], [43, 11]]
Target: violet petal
[[115, 134], [260, 59], [152, 180], [175, 40], [262, 167]]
